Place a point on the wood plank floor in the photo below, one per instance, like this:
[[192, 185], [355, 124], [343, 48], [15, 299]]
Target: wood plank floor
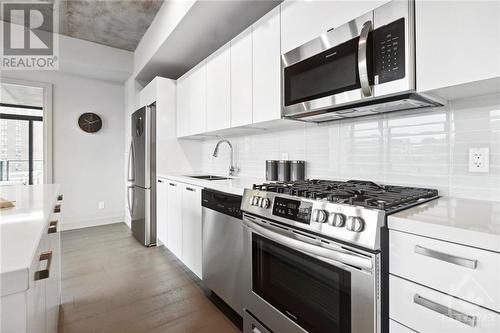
[[111, 283]]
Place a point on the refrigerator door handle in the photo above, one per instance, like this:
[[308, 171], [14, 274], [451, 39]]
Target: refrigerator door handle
[[131, 163], [130, 199]]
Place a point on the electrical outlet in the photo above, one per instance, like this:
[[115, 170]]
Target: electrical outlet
[[100, 205], [479, 159]]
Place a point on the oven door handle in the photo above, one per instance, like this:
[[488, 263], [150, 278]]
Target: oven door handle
[[343, 257], [363, 59]]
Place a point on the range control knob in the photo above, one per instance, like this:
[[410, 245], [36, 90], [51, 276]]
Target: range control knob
[[320, 215], [355, 224], [264, 203], [337, 220], [255, 200]]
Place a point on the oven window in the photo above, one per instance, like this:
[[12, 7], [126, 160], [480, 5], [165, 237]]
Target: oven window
[[310, 292]]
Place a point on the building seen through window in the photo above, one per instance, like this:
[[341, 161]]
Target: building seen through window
[[21, 134]]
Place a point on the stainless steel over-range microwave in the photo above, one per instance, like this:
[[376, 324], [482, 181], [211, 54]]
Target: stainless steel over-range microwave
[[363, 67]]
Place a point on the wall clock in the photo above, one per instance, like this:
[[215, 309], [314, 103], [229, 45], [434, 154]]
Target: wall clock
[[90, 122]]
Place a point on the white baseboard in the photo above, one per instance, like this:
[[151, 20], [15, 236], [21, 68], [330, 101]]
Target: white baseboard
[[78, 224]]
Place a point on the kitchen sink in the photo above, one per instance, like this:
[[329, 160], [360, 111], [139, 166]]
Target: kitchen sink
[[209, 177]]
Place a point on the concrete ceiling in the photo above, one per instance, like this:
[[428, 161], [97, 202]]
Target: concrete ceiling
[[116, 23]]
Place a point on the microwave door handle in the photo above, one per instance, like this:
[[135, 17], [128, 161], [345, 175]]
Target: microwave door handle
[[366, 90]]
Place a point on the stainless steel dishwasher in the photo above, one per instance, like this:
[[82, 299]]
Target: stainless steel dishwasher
[[223, 269]]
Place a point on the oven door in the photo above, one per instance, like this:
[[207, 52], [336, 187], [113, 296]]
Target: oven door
[[302, 284], [333, 69]]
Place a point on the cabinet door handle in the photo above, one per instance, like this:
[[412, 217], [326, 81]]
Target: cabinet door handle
[[44, 273], [160, 181], [445, 311], [57, 209], [469, 263], [172, 184], [52, 227], [190, 189]]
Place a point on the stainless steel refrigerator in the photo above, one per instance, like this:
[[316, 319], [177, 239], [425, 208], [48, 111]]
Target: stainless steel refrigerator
[[141, 191]]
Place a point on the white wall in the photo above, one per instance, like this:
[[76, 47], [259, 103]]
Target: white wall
[[81, 57], [89, 167], [426, 149]]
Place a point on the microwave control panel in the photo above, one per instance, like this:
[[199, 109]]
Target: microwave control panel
[[389, 52]]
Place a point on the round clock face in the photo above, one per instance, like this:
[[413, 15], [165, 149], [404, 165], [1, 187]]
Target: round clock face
[[90, 122]]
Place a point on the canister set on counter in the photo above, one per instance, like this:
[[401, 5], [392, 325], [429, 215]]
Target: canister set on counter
[[285, 170]]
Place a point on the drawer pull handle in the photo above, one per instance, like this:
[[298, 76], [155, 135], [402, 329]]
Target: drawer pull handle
[[53, 227], [469, 263], [448, 312], [190, 189], [172, 184], [44, 273]]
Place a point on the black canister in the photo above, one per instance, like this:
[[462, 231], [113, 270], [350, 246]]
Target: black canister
[[272, 170], [283, 171], [297, 170]]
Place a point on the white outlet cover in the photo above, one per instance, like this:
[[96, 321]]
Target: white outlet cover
[[479, 159], [100, 205]]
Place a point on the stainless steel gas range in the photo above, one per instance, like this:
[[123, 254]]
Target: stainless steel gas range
[[318, 254]]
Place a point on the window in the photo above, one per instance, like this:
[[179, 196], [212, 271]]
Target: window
[[22, 134]]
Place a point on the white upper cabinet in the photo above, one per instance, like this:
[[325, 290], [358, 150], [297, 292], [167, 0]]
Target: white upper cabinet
[[266, 67], [218, 87], [191, 102], [241, 79], [198, 100], [302, 21], [182, 107], [458, 42]]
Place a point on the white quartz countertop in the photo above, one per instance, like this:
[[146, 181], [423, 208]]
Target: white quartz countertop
[[464, 221], [22, 226], [235, 185]]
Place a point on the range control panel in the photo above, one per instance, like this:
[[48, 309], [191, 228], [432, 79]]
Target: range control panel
[[389, 48], [296, 210]]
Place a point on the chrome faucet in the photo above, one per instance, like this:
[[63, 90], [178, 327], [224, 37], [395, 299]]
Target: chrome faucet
[[232, 169]]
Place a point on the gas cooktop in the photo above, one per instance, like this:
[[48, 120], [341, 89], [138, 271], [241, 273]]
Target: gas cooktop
[[353, 192], [354, 211]]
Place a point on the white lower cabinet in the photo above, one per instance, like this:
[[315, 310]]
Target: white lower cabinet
[[183, 217], [191, 228], [429, 311], [53, 282], [161, 210], [36, 318], [438, 286], [36, 309], [462, 271], [174, 218]]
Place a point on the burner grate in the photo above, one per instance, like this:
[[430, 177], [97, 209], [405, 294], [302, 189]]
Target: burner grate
[[353, 192]]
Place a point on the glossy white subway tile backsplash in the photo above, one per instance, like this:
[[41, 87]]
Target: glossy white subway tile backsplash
[[420, 149]]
